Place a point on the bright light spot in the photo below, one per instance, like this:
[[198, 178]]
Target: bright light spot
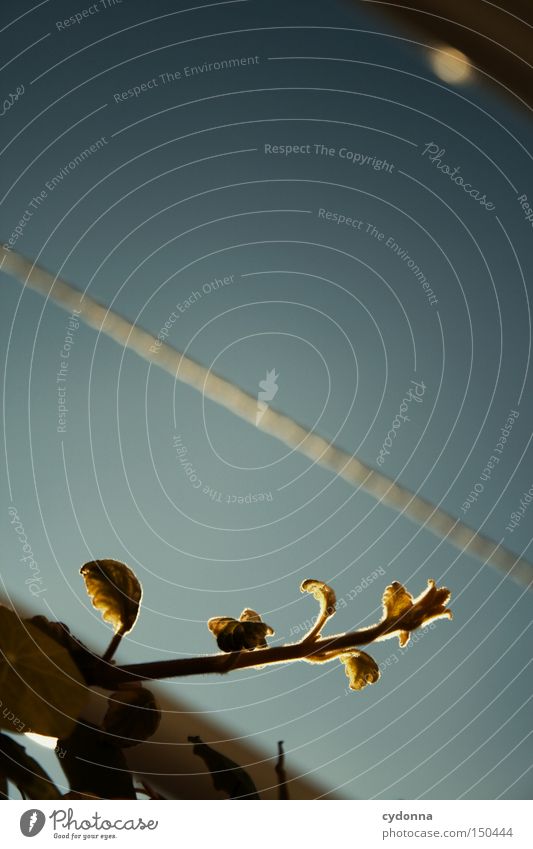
[[450, 65], [42, 740]]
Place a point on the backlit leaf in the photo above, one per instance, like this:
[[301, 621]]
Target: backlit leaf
[[249, 616], [217, 624], [406, 614], [115, 591], [360, 668], [246, 633], [323, 593], [396, 600]]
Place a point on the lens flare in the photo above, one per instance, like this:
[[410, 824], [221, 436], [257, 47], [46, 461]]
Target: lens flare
[[450, 64]]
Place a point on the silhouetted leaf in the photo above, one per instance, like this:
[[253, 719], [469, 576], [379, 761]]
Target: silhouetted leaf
[[42, 689], [132, 716], [360, 668], [226, 774], [83, 657], [283, 790], [114, 591], [24, 772], [94, 766], [246, 633]]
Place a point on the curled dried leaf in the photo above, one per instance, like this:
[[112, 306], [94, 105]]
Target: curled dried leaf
[[217, 624], [360, 668], [396, 600], [325, 595], [406, 614], [115, 591], [132, 716], [246, 633], [249, 615]]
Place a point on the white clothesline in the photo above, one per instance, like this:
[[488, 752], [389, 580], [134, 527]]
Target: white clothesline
[[281, 427]]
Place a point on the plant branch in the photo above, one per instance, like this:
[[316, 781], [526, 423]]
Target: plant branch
[[322, 650], [112, 647]]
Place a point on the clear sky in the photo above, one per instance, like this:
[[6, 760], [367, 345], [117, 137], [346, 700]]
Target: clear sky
[[217, 194]]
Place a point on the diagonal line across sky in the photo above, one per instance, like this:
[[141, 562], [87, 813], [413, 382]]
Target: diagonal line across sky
[[277, 425]]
